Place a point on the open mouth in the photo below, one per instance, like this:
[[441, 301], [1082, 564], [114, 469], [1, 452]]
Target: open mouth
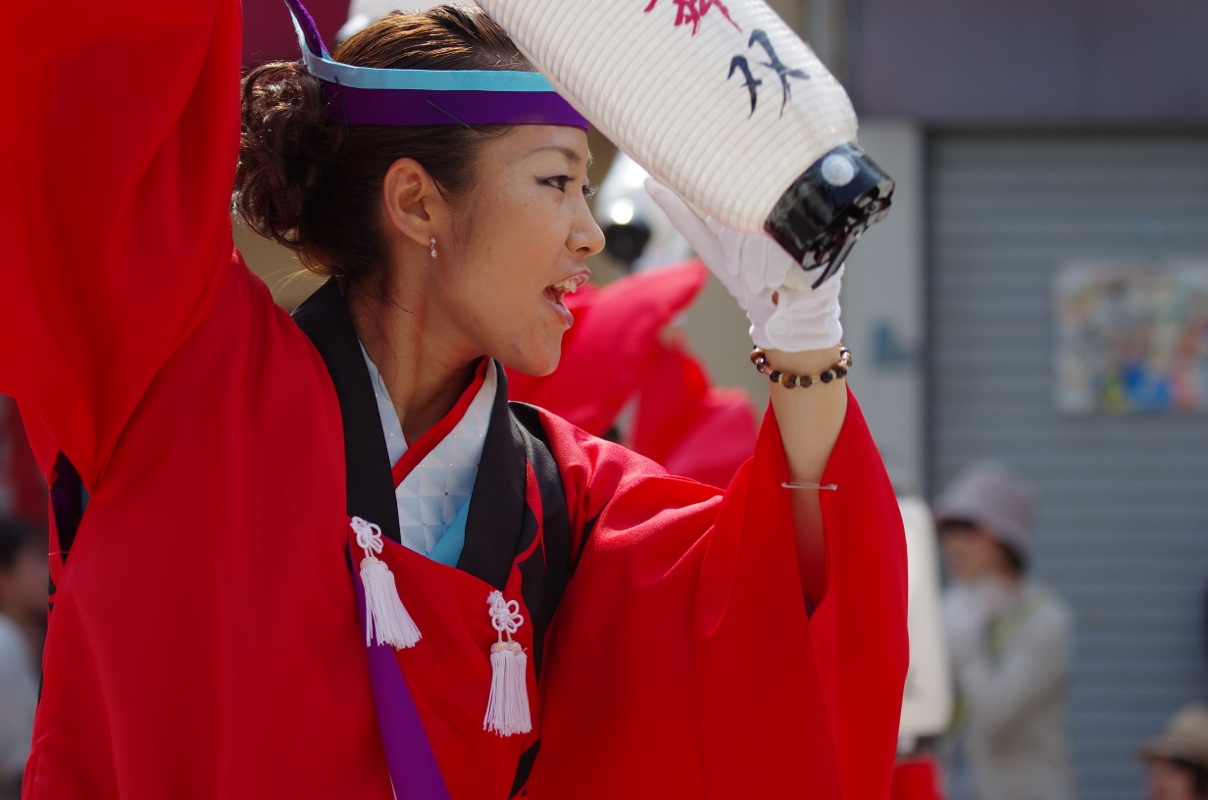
[[556, 292]]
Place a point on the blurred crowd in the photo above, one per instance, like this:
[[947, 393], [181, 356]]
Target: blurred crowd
[[23, 578]]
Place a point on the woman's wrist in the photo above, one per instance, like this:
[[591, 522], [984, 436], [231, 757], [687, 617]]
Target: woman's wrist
[[811, 369]]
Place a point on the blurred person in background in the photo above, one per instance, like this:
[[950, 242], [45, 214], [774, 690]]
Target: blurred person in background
[[1009, 640], [23, 576], [1178, 759]]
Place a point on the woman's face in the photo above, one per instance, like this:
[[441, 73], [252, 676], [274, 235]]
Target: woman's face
[[23, 585], [520, 244], [970, 552]]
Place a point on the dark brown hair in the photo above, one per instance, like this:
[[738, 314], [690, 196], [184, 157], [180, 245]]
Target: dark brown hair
[[314, 185]]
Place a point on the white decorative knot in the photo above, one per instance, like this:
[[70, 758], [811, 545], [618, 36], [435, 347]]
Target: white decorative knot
[[505, 615], [507, 705], [386, 618], [369, 536]]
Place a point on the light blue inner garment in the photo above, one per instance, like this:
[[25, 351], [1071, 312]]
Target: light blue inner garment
[[450, 541], [448, 547]]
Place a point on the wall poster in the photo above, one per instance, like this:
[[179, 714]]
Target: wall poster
[[1131, 337]]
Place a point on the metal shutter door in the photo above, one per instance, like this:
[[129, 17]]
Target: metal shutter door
[[1122, 527]]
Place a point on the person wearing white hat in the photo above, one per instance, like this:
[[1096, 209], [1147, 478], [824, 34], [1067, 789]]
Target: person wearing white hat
[[1009, 640], [1178, 759]]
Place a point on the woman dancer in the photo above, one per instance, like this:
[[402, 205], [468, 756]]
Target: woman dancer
[[322, 556]]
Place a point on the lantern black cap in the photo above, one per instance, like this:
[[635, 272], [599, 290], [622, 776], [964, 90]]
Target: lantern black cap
[[819, 218]]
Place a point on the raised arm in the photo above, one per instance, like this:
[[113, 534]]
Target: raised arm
[[685, 623], [796, 326], [778, 610], [810, 421], [122, 149]]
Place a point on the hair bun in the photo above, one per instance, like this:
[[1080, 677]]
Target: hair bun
[[285, 142]]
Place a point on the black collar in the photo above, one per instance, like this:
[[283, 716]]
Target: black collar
[[496, 522]]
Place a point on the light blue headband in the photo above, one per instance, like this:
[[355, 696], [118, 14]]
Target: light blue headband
[[410, 97]]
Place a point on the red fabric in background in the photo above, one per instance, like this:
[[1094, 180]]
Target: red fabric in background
[[693, 429]]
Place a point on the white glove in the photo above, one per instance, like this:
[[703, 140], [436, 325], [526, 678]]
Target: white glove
[[754, 269]]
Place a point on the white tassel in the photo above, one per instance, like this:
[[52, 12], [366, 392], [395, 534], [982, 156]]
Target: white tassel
[[508, 705], [386, 617]]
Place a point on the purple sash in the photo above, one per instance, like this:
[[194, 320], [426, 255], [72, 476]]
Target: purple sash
[[413, 768], [369, 96]]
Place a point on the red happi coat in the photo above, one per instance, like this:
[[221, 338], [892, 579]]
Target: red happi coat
[[204, 640]]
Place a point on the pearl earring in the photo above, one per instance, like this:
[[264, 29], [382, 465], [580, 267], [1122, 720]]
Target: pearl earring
[[432, 242]]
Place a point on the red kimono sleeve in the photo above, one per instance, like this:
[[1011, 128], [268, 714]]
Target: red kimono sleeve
[[685, 663], [122, 151]]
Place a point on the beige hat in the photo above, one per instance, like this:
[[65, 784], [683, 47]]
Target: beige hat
[[988, 494], [1185, 738]]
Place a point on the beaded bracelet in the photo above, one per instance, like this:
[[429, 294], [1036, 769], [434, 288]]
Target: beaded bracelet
[[788, 380]]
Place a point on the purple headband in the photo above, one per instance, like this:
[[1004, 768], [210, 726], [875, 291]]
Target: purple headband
[[408, 97]]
